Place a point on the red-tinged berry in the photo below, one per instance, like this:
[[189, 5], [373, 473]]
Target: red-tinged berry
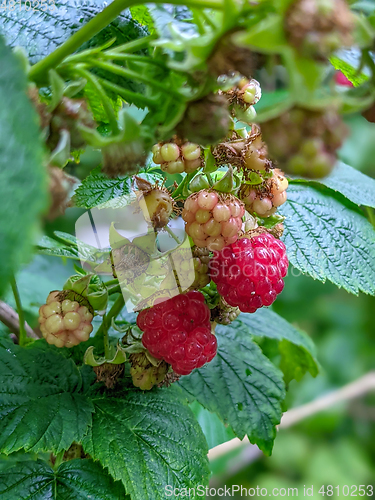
[[265, 198], [179, 332], [178, 157], [304, 142], [317, 28], [213, 219], [64, 322], [249, 273]]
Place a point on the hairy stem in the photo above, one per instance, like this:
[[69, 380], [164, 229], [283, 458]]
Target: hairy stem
[[23, 336], [39, 71]]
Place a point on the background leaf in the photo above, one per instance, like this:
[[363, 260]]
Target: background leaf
[[22, 171], [43, 401], [298, 353], [39, 33], [329, 240], [97, 189], [74, 480], [148, 440], [357, 187], [241, 386]]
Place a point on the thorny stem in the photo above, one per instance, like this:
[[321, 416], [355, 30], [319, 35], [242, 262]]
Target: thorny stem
[[22, 336], [112, 313], [39, 71]]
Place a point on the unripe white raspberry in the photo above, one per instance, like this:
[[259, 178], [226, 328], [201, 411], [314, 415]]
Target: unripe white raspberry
[[156, 205], [64, 322]]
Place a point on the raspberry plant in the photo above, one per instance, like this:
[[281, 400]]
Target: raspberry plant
[[217, 125]]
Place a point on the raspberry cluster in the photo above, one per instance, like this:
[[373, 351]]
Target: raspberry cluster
[[176, 159], [178, 331], [249, 273], [64, 322], [213, 220], [304, 141], [264, 199]]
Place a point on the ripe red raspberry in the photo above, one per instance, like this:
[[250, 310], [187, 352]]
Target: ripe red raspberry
[[176, 158], [64, 322], [249, 273], [213, 219], [264, 198], [178, 330]]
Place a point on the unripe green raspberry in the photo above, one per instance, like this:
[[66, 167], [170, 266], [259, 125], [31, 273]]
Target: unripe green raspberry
[[223, 313], [170, 152], [145, 374], [64, 322]]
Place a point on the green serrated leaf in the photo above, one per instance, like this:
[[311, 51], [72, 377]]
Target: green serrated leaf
[[97, 189], [241, 386], [141, 14], [213, 428], [295, 362], [148, 440], [357, 187], [266, 323], [328, 239], [37, 381], [23, 183], [78, 479]]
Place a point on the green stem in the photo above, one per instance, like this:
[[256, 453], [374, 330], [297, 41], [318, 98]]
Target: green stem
[[59, 459], [103, 96], [22, 339], [112, 313], [210, 180], [371, 215], [172, 235], [133, 75], [105, 337], [114, 289], [39, 71], [128, 95], [132, 57], [134, 45], [111, 282], [176, 193]]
